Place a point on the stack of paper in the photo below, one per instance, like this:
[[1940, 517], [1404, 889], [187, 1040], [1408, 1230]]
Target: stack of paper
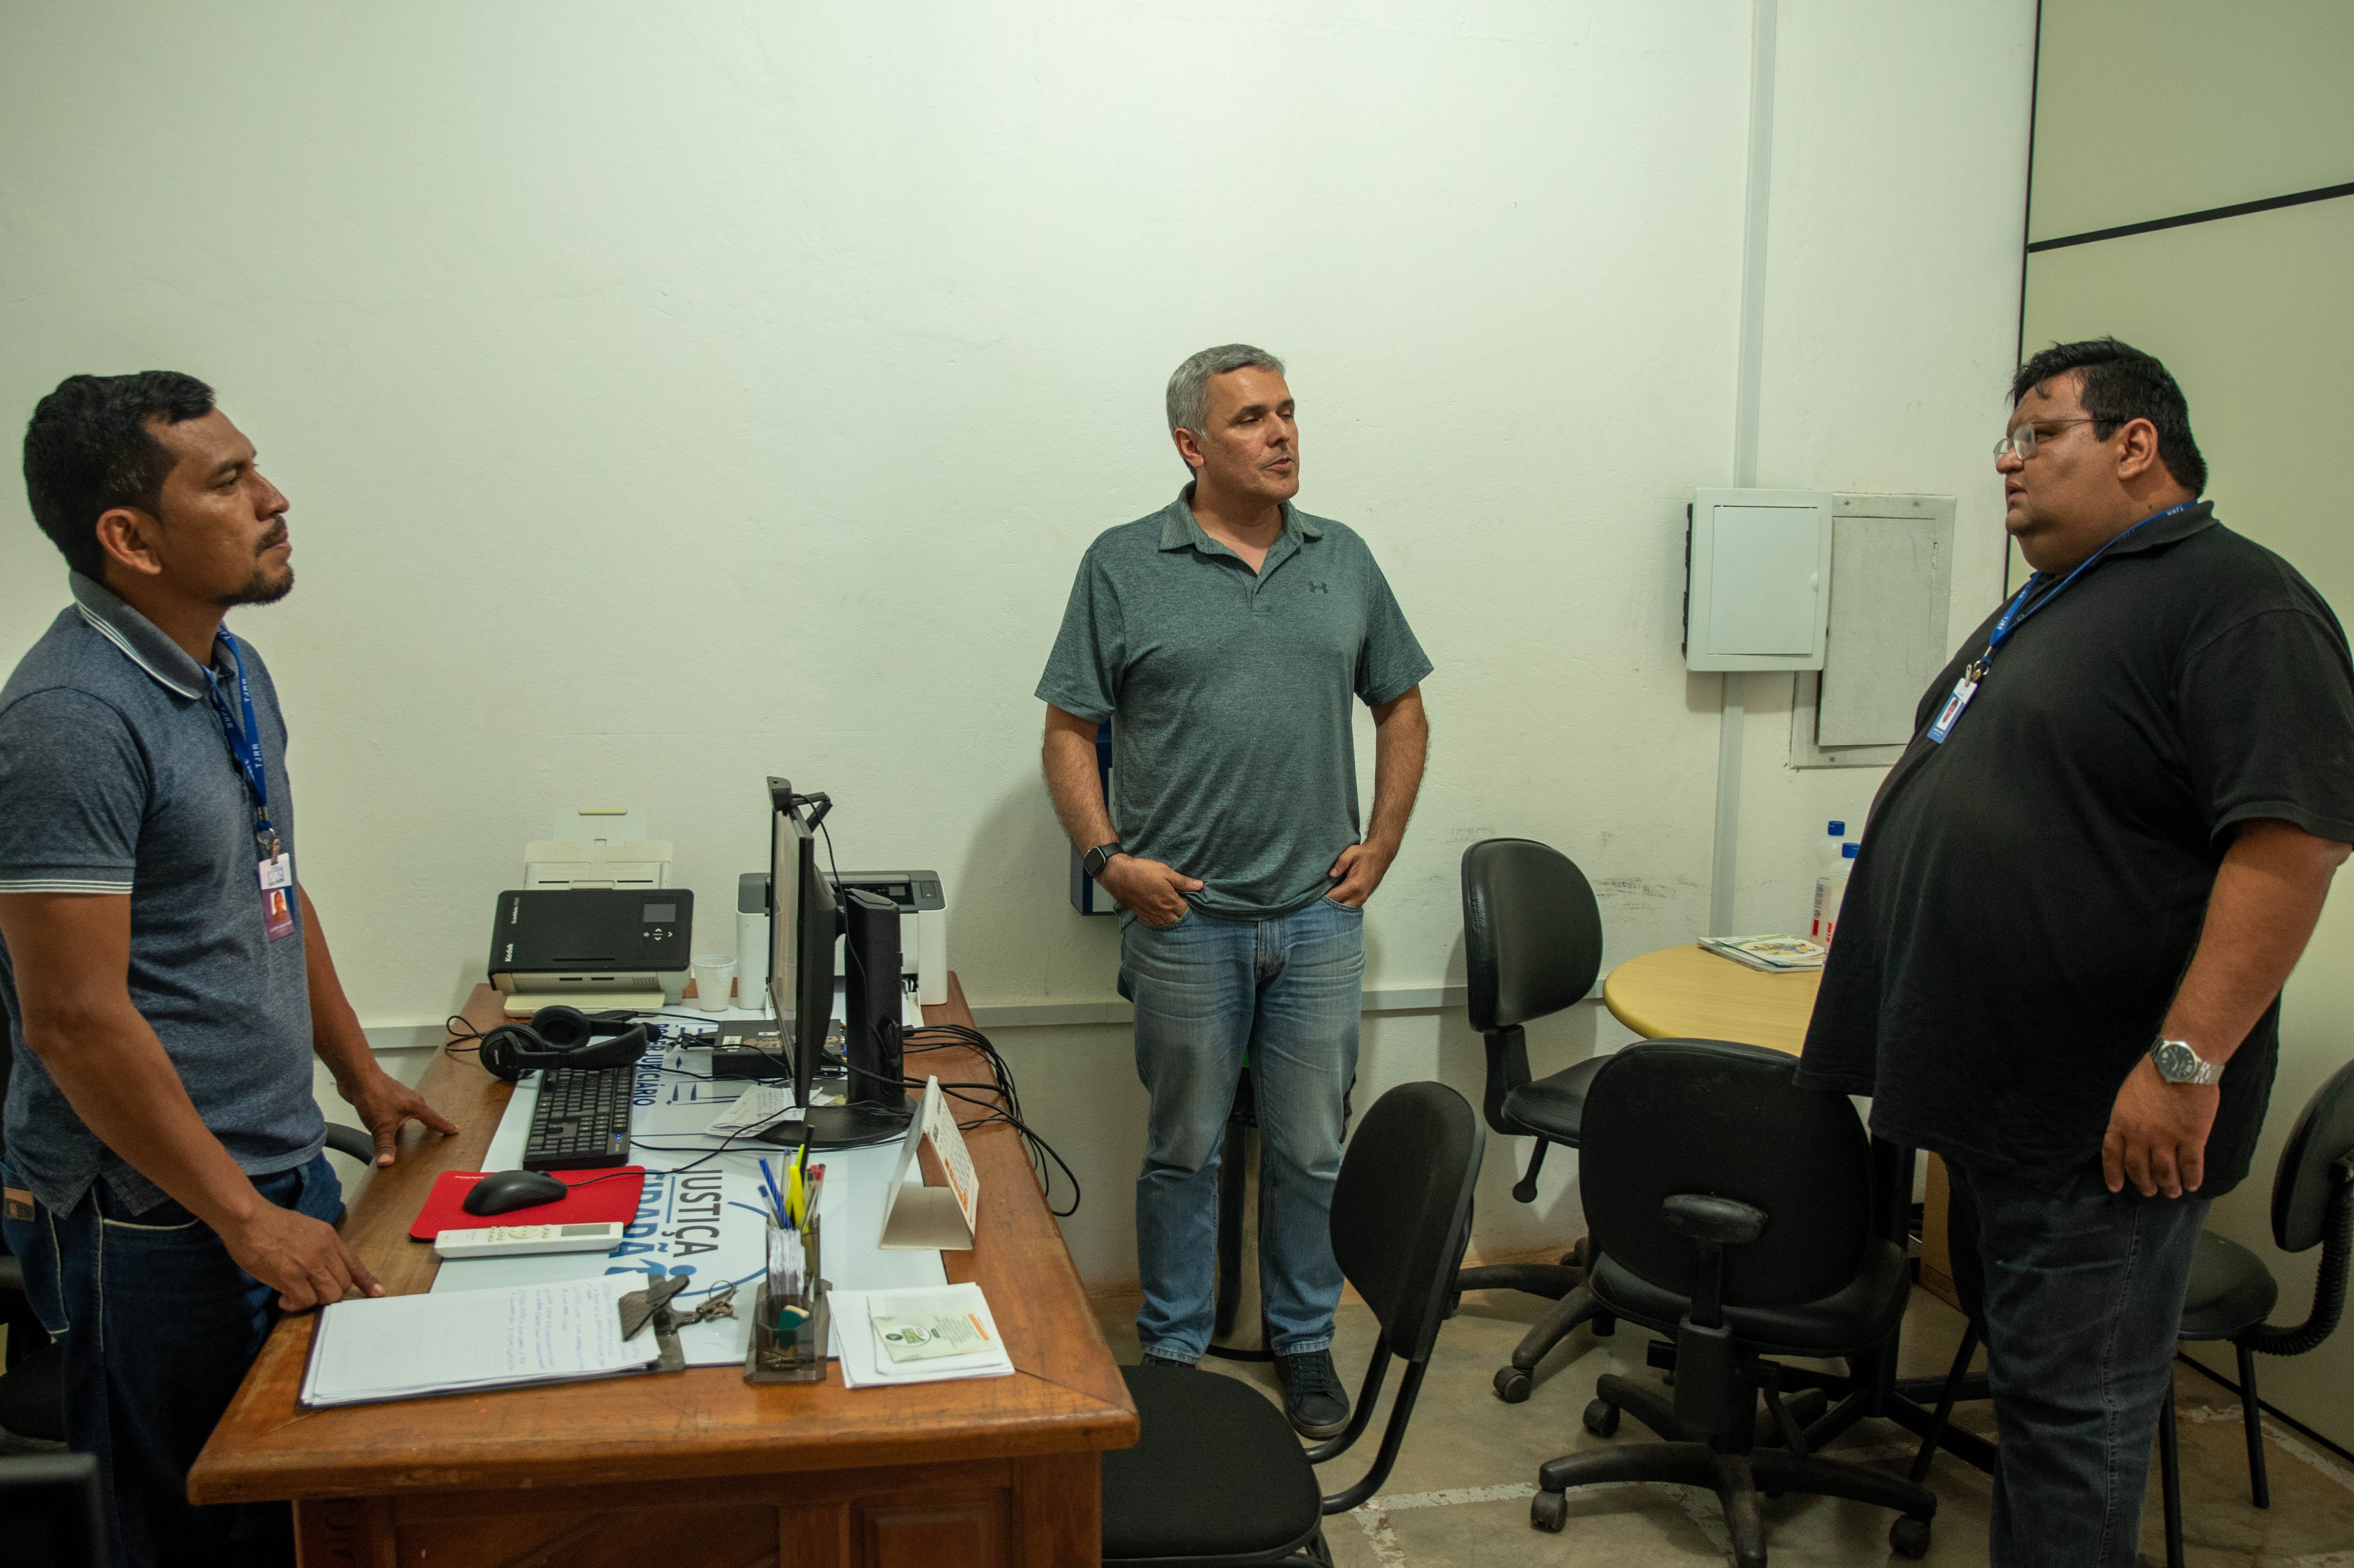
[[402, 1347], [764, 1107], [886, 1338], [1770, 953]]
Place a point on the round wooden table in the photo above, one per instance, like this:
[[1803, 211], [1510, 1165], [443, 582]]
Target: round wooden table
[[1688, 992]]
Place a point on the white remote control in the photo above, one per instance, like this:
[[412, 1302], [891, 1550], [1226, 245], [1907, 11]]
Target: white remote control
[[511, 1241]]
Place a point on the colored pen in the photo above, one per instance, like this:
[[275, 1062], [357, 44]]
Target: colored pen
[[808, 1204], [768, 1179]]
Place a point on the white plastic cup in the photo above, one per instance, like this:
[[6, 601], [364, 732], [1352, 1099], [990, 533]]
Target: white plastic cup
[[715, 977]]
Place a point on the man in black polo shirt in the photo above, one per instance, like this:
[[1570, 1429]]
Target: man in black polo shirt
[[162, 973], [2060, 961]]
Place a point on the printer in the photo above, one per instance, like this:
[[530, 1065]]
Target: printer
[[923, 927]]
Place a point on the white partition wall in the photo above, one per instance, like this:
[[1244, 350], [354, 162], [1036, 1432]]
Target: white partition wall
[[2150, 110]]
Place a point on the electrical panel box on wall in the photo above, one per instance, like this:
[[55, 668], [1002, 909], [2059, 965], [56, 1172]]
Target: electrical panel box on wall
[[1891, 587], [1758, 580]]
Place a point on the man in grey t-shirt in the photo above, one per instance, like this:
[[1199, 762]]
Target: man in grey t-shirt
[[1226, 637], [163, 974]]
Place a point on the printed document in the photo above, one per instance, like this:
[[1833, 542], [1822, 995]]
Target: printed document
[[400, 1347]]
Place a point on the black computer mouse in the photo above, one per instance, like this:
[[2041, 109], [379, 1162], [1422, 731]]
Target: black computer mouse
[[504, 1190]]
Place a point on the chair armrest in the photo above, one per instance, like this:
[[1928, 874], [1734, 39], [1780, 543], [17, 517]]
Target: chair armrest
[[1705, 1217], [12, 1273], [351, 1141]]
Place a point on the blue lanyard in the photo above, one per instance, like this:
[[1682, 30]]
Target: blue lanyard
[[2013, 619], [244, 744]]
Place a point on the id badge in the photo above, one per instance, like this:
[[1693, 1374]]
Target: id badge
[[277, 876], [1964, 690]]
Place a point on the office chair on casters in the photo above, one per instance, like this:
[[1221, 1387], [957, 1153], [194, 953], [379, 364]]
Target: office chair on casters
[[1531, 946], [32, 1386], [1731, 1210], [1216, 1476], [2232, 1292], [52, 1514]]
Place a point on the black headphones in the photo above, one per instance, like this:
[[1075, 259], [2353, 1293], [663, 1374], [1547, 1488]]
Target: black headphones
[[559, 1037]]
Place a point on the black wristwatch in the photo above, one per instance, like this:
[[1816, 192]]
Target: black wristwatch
[[1096, 859]]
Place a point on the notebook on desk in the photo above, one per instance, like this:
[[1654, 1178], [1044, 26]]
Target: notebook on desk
[[407, 1347]]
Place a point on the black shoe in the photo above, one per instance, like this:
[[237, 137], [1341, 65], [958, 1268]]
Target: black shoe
[[1313, 1400], [1171, 1363]]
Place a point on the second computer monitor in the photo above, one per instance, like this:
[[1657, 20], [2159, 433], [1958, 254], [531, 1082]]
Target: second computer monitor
[[804, 922], [801, 921]]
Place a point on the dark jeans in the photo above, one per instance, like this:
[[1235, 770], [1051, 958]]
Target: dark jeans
[[2081, 1296], [159, 1326]]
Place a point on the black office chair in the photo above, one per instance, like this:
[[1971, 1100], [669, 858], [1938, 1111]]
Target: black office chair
[[52, 1514], [32, 1386], [2232, 1292], [1216, 1476], [1733, 1209], [1531, 946]]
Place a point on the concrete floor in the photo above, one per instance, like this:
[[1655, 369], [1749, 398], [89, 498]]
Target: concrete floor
[[1459, 1493]]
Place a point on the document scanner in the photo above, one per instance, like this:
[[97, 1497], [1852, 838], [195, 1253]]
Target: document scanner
[[592, 947]]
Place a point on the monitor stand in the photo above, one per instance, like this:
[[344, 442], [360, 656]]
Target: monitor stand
[[841, 1126]]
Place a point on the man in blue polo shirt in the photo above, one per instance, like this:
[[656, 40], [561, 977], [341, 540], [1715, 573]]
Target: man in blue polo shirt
[[163, 974], [1227, 636]]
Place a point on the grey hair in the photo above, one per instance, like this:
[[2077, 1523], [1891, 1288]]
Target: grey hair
[[1189, 387]]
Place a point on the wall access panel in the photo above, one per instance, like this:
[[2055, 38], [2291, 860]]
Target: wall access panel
[[1758, 580], [1891, 588]]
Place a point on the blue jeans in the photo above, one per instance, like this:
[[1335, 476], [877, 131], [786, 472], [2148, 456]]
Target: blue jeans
[[159, 1324], [1289, 990], [2081, 1296]]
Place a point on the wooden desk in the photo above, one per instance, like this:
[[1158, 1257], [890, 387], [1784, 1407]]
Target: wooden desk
[[697, 1469], [1692, 993]]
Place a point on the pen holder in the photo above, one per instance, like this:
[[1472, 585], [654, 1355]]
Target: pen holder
[[790, 1351]]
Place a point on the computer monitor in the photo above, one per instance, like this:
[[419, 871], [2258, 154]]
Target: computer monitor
[[792, 858], [804, 921]]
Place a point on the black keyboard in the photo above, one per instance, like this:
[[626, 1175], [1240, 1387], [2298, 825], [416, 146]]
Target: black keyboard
[[582, 1120]]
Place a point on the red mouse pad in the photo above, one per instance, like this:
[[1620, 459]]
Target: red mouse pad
[[607, 1196]]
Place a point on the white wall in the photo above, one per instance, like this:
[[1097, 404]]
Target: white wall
[[2252, 315], [671, 397]]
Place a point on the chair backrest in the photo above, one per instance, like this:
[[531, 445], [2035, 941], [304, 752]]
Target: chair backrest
[[2308, 1176], [1531, 932], [1402, 1209], [54, 1512], [1665, 1117]]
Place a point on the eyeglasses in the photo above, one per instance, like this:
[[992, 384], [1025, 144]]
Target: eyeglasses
[[2023, 439]]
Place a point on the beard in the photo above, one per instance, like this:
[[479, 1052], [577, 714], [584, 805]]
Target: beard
[[264, 587]]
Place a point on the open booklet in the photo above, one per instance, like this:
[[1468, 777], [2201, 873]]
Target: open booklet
[[403, 1347], [1774, 954], [890, 1337]]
